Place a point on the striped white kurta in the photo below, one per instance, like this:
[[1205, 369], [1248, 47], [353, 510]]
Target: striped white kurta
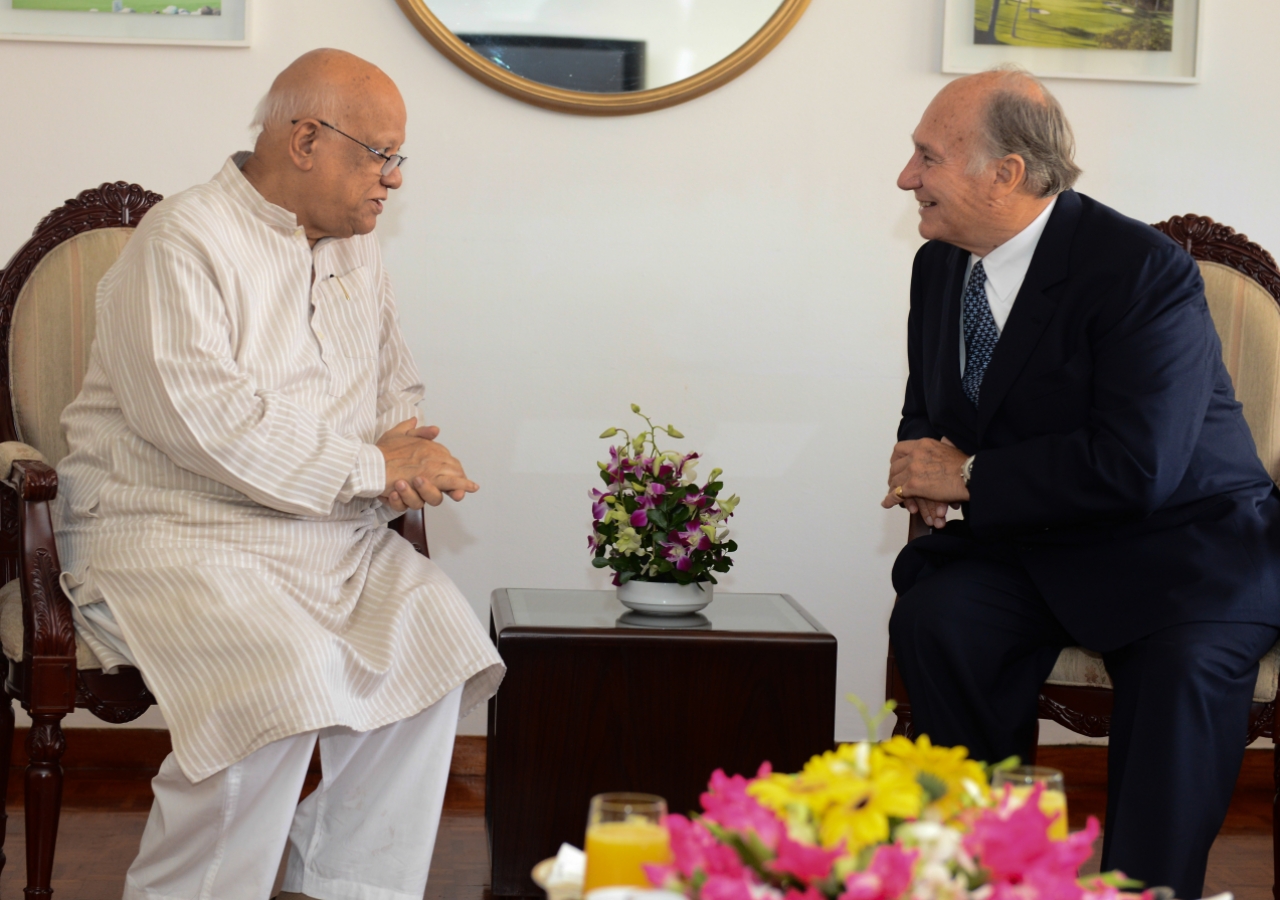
[[221, 488]]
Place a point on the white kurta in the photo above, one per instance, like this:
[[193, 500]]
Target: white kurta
[[221, 489]]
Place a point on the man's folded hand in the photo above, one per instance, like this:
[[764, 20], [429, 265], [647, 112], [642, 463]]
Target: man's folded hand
[[420, 471], [924, 476]]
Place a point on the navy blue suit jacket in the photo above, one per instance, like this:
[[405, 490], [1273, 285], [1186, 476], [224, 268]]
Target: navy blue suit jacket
[[1113, 462]]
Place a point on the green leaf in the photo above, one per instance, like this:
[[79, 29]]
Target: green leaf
[[600, 562], [933, 786], [1011, 762], [1116, 880], [624, 577]]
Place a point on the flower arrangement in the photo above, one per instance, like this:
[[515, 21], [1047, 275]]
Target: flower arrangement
[[876, 821], [653, 521]]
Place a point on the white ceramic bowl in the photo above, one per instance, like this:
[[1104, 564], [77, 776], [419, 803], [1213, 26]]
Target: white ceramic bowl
[[656, 598]]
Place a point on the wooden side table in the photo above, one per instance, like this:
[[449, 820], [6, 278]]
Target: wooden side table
[[597, 698]]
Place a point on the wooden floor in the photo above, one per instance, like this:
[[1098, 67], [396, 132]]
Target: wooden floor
[[103, 820]]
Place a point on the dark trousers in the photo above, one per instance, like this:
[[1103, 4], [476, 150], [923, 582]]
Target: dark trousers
[[974, 640]]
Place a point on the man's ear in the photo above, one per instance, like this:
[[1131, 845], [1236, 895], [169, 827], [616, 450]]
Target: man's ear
[[302, 144], [1010, 174]]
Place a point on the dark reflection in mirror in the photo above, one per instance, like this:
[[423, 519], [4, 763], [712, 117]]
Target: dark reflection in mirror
[[593, 65], [604, 46]]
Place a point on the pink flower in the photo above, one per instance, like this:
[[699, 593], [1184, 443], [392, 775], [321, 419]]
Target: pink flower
[[887, 877], [728, 805], [811, 894], [723, 887], [1012, 844], [804, 861], [693, 849], [639, 519]]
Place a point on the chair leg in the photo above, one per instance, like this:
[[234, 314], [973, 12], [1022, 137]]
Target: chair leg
[[1275, 823], [45, 746], [6, 759]]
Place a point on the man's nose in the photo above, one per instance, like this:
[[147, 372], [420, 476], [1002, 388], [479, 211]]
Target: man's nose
[[909, 180], [393, 180]]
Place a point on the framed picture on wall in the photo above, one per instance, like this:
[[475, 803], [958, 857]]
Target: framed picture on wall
[[1119, 40], [214, 22]]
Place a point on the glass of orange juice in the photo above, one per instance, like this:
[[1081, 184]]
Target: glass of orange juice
[[1053, 800], [624, 831]]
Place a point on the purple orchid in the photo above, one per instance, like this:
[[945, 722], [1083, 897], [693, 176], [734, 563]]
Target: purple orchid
[[598, 506], [696, 499], [677, 553], [640, 518], [688, 458], [693, 537], [640, 467]]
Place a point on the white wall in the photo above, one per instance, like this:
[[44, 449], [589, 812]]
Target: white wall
[[738, 264]]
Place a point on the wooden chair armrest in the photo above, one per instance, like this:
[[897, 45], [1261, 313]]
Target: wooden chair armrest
[[916, 527], [48, 633], [412, 526], [34, 480]]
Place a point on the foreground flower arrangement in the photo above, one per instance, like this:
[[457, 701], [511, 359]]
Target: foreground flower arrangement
[[897, 819], [653, 521]]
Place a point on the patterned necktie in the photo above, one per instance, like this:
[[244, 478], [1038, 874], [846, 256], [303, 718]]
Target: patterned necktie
[[980, 333]]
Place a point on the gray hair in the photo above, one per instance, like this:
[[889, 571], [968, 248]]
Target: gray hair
[[1017, 121], [285, 102]]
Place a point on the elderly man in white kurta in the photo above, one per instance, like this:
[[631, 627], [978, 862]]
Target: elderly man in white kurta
[[246, 430]]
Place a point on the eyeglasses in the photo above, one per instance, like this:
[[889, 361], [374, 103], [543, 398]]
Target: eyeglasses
[[389, 162]]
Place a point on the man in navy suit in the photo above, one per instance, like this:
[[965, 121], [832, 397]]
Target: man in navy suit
[[1067, 390]]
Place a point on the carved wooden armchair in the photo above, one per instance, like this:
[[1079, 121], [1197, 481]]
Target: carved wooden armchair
[[1242, 285], [47, 295]]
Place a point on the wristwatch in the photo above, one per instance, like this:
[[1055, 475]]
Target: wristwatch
[[966, 470]]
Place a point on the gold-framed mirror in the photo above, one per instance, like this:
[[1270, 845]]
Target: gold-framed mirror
[[604, 57]]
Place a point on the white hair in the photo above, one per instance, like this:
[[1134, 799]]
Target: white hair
[[1035, 128], [285, 103]]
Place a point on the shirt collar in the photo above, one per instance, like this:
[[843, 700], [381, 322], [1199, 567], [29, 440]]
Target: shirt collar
[[232, 180], [1006, 266]]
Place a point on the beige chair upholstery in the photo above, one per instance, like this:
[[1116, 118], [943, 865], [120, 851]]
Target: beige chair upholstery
[[1248, 322], [1078, 667], [55, 313]]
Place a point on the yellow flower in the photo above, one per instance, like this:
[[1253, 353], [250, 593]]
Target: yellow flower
[[849, 794], [862, 807], [941, 770]]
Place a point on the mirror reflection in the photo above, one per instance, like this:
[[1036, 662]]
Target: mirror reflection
[[604, 46]]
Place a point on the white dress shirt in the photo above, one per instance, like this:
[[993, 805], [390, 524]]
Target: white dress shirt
[[1006, 268]]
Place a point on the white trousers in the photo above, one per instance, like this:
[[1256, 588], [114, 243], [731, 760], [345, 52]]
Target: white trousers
[[366, 833]]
